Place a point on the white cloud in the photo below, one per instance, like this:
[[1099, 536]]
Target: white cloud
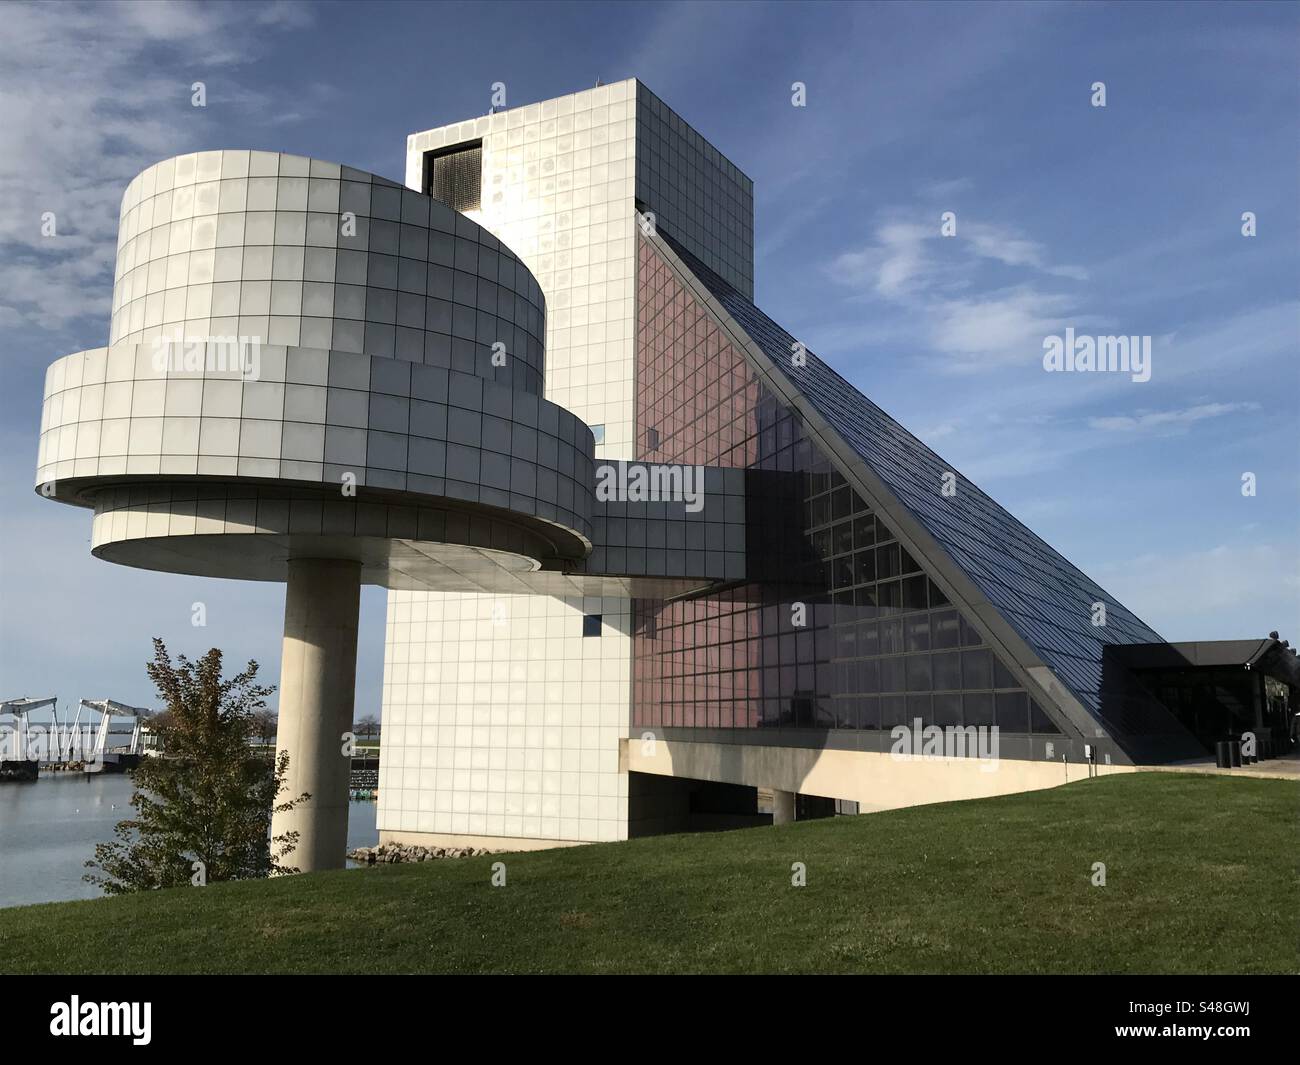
[[75, 132], [1161, 419], [938, 279], [1011, 249], [1008, 325]]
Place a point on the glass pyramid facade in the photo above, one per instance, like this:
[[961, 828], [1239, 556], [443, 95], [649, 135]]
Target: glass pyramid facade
[[873, 597]]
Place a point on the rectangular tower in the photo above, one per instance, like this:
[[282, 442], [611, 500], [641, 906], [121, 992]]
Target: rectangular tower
[[503, 715]]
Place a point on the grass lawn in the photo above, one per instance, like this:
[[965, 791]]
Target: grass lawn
[[1200, 870]]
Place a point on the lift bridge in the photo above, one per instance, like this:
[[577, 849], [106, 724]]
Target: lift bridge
[[26, 746]]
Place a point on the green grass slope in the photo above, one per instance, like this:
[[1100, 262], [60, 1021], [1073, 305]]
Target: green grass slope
[[1200, 871]]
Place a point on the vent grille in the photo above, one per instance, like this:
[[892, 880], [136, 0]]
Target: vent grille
[[456, 177]]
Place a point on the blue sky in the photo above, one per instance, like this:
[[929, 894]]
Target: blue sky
[[1117, 220]]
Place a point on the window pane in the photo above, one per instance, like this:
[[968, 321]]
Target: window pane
[[891, 636], [977, 709], [918, 673], [918, 632], [892, 675], [1002, 677], [977, 669], [946, 710], [947, 672], [1040, 722], [945, 629], [1013, 711]]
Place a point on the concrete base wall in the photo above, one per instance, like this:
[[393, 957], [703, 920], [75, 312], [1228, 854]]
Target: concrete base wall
[[492, 843], [876, 781]]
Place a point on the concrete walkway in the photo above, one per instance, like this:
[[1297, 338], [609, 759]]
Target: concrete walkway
[[1285, 768]]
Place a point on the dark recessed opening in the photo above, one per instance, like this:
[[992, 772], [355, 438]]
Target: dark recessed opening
[[455, 175]]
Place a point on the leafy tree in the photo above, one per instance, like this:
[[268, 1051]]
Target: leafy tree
[[366, 726], [209, 798]]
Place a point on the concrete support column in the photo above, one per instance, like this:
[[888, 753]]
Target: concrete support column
[[318, 676], [782, 807]]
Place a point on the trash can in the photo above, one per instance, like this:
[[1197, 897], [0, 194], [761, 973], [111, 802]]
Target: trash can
[[1222, 755], [1234, 753]]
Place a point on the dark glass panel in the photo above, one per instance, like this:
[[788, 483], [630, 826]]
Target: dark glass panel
[[846, 641], [869, 675], [842, 503], [947, 671], [891, 636], [914, 593], [918, 673], [1013, 711], [1040, 722], [892, 675], [1002, 677], [977, 669], [946, 709], [893, 709], [917, 632], [977, 709], [868, 638], [866, 565], [945, 629], [843, 537], [864, 531], [887, 561]]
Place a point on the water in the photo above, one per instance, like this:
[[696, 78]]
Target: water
[[50, 827]]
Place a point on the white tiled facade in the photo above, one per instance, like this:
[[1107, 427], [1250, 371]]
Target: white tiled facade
[[500, 718]]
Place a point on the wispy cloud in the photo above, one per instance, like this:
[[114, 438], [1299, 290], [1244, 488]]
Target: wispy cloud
[[75, 132], [954, 285], [1165, 419]]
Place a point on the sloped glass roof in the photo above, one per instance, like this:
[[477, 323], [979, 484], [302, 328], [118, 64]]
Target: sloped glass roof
[[1045, 598]]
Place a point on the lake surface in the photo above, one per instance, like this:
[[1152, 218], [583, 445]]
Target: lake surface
[[50, 827]]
